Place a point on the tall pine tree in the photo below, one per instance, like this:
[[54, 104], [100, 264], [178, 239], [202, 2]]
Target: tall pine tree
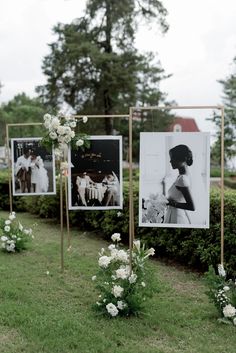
[[229, 101]]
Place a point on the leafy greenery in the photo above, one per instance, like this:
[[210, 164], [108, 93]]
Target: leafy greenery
[[229, 100], [95, 68], [222, 292], [14, 237], [21, 109], [43, 310], [123, 292]]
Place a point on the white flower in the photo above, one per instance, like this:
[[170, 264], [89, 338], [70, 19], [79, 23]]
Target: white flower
[[79, 142], [72, 134], [47, 124], [10, 247], [47, 117], [226, 288], [151, 251], [61, 130], [12, 216], [234, 321], [221, 270], [104, 261], [85, 119], [112, 309], [7, 222], [121, 305], [3, 245], [20, 227], [119, 214], [137, 244], [73, 124], [4, 238], [14, 236], [53, 135], [7, 228], [27, 231], [55, 123], [94, 278], [99, 304], [133, 278], [116, 237], [122, 273], [117, 291], [47, 273], [122, 256], [111, 247], [19, 239], [143, 284], [229, 311]]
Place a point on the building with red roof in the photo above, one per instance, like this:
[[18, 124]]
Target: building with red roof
[[183, 125]]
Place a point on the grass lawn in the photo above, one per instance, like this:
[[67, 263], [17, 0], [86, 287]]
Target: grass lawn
[[52, 313]]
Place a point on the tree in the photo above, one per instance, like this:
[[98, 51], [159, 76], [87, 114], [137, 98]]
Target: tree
[[94, 67], [229, 101], [21, 109]]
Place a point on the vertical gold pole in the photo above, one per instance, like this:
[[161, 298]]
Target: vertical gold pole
[[61, 218], [222, 186], [67, 215], [9, 168], [131, 202]]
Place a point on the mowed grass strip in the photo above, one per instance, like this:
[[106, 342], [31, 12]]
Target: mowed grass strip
[[44, 310]]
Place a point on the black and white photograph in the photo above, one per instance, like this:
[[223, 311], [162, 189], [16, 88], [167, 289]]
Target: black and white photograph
[[95, 174], [33, 167], [174, 179]]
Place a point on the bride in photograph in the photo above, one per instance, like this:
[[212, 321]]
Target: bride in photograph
[[180, 199], [39, 175]]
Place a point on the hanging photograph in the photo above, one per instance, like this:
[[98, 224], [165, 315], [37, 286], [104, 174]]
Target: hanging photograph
[[95, 175], [174, 179], [33, 168]]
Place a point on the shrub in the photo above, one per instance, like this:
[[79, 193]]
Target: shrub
[[198, 248]]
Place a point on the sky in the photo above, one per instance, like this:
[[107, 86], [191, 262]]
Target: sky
[[197, 50]]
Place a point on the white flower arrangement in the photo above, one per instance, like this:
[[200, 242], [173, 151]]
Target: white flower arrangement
[[154, 208], [13, 236], [121, 285], [60, 131], [222, 292]]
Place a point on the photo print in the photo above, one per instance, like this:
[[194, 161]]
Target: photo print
[[33, 168], [95, 175], [174, 179]]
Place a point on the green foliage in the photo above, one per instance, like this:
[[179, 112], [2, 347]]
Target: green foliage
[[121, 292], [14, 237], [197, 248], [229, 100], [21, 109], [222, 292], [95, 68]]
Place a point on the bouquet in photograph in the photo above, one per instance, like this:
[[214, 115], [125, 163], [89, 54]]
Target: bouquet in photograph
[[61, 130], [123, 289], [154, 208], [222, 293], [14, 237]]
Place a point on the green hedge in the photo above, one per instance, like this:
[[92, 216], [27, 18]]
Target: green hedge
[[197, 248]]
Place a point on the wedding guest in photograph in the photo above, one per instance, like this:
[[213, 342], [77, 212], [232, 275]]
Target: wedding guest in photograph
[[82, 183], [179, 195], [23, 171], [39, 175], [112, 184]]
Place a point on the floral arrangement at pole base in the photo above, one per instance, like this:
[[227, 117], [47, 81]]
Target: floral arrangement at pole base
[[61, 130], [122, 291], [222, 292], [14, 237]]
